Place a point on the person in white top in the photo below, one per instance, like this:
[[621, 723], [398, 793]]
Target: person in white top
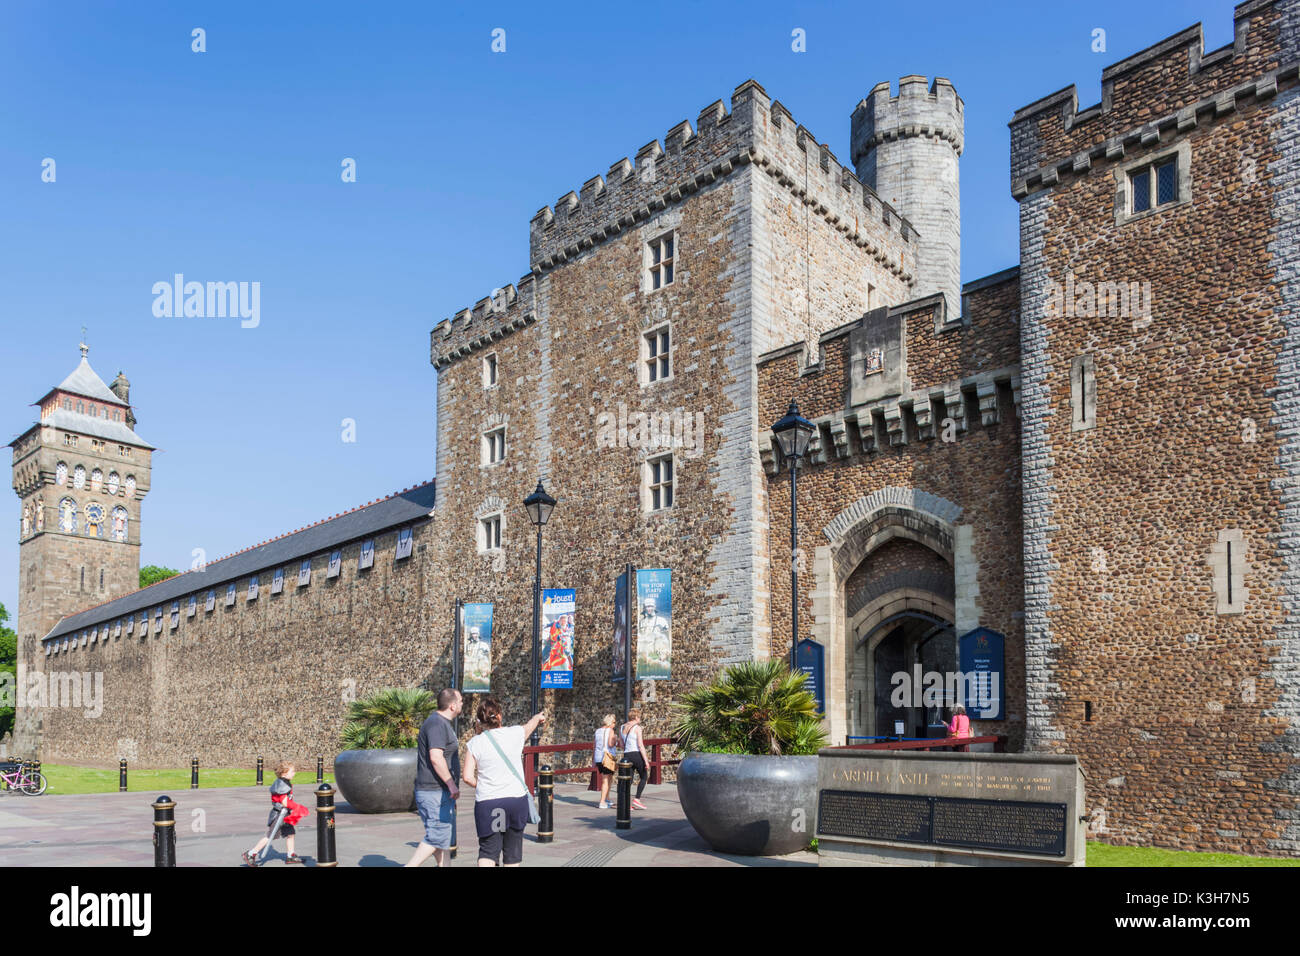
[[494, 768], [634, 753], [604, 744]]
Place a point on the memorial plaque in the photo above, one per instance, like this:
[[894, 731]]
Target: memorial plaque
[[874, 816], [1010, 825]]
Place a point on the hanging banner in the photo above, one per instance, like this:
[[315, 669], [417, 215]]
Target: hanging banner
[[477, 626], [811, 658], [654, 624], [558, 605], [980, 658], [620, 627]]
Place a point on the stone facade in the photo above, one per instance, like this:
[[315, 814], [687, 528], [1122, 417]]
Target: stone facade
[[1093, 454]]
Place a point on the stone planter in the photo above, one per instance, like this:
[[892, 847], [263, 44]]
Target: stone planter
[[377, 781], [747, 805]]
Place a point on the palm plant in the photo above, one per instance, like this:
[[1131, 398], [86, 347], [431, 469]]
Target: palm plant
[[757, 707], [389, 719]]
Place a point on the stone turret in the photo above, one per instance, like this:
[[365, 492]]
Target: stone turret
[[906, 148], [121, 387]]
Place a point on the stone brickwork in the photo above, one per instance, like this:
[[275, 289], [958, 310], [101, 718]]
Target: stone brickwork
[[1170, 675], [271, 676], [920, 495]]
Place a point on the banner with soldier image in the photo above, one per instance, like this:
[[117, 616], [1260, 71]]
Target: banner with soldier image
[[620, 627], [558, 607], [654, 624], [477, 625]]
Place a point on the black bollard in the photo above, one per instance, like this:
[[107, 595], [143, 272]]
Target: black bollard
[[36, 766], [164, 831], [121, 776], [623, 815], [194, 773], [546, 805], [259, 770], [325, 826], [320, 769]]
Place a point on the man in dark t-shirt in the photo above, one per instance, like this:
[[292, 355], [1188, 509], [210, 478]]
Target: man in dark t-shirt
[[437, 778]]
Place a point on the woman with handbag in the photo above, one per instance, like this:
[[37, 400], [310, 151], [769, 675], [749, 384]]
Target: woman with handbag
[[605, 759], [493, 767]]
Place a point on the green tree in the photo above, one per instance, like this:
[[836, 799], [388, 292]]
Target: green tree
[[152, 574], [9, 666], [758, 707]]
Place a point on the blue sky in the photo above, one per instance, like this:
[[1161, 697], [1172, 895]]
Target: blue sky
[[225, 166]]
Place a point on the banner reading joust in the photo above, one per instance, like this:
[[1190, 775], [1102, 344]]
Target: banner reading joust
[[477, 625], [654, 624], [558, 606]]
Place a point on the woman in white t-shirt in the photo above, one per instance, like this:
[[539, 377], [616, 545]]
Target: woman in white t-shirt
[[494, 768], [604, 744]]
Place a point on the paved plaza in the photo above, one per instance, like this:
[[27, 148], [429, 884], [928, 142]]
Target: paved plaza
[[214, 826]]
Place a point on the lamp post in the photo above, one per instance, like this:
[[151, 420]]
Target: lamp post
[[539, 505], [792, 433]]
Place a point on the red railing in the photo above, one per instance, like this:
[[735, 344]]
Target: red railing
[[656, 762], [999, 744]]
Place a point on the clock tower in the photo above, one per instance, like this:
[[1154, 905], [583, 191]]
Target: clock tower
[[80, 472]]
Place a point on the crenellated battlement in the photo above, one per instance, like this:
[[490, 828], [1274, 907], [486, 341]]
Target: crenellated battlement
[[1052, 137], [757, 131], [918, 109], [488, 320]]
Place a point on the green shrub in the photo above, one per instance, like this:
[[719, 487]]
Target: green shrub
[[756, 707], [389, 719]]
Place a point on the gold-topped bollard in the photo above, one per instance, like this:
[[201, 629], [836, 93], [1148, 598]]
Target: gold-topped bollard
[[164, 831], [121, 776], [320, 769], [546, 805], [623, 815], [194, 773], [259, 770], [325, 826]]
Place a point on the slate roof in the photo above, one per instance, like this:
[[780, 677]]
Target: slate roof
[[404, 508], [84, 381], [91, 425]]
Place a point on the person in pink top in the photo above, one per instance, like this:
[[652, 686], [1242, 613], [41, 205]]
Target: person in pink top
[[960, 726]]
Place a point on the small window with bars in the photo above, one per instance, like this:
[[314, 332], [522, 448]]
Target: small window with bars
[[659, 483], [660, 262], [656, 355]]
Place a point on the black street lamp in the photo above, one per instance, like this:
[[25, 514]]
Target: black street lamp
[[793, 432], [539, 505]]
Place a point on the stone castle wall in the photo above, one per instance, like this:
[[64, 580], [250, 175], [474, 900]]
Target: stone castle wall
[[1178, 698]]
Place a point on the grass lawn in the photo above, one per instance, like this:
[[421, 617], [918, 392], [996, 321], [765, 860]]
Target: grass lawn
[[1103, 854], [67, 779]]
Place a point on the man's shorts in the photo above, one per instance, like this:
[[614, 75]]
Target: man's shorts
[[437, 809]]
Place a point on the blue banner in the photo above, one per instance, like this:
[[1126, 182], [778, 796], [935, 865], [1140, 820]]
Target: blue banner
[[654, 624], [812, 661], [558, 611], [982, 668], [476, 623]]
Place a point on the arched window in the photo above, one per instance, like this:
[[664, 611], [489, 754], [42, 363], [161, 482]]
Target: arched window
[[79, 477], [68, 516], [130, 486], [96, 480], [119, 523], [60, 473], [95, 521], [113, 482]]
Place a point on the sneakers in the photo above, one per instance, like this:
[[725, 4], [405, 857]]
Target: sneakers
[[604, 805], [249, 859], [293, 858], [638, 804]]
